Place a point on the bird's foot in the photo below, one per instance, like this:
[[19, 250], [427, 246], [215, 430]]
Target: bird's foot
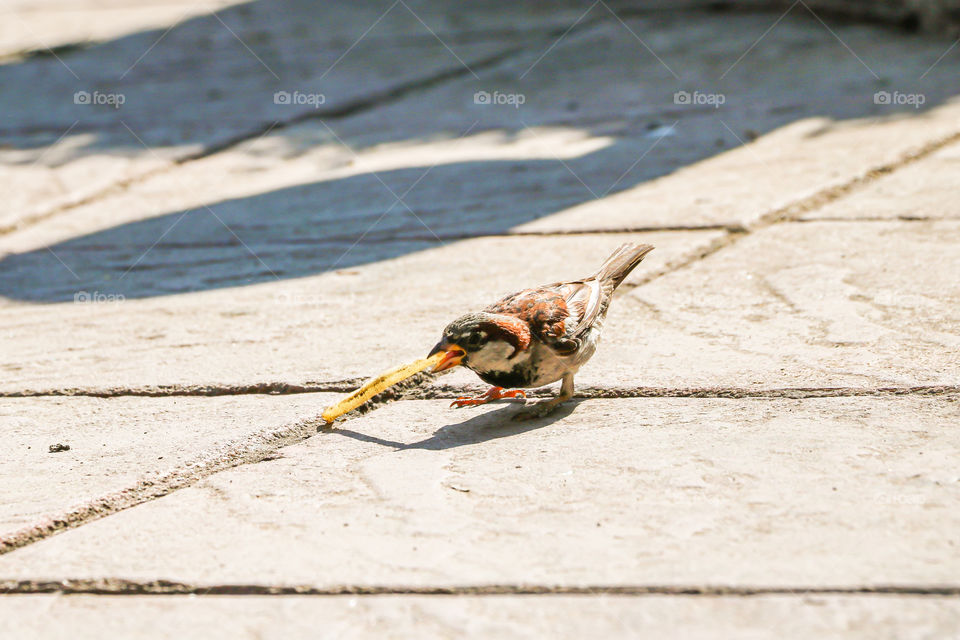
[[494, 393], [538, 410]]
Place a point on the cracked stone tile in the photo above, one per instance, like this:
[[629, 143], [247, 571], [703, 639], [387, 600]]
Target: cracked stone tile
[[859, 304], [786, 167], [670, 164], [924, 190], [838, 492], [599, 80], [79, 124], [112, 444], [384, 304]]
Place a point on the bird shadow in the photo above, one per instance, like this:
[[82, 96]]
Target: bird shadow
[[476, 430]]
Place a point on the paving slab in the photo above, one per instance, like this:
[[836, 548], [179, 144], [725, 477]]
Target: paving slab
[[599, 79], [36, 26], [602, 80], [862, 304], [785, 168], [309, 188], [828, 492], [112, 444], [557, 153], [867, 617], [925, 190], [115, 111], [384, 304]]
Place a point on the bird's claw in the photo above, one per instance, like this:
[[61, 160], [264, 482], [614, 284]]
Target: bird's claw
[[496, 393]]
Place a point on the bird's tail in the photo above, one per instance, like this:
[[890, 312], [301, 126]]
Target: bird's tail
[[619, 265]]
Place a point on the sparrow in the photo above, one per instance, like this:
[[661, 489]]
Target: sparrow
[[536, 336]]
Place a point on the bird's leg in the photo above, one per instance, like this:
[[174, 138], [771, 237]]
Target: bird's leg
[[544, 407], [494, 393]]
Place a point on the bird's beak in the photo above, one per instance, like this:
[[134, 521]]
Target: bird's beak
[[452, 355]]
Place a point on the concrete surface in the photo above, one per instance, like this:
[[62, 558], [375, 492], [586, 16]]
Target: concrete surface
[[62, 152], [829, 617], [599, 77], [293, 331], [921, 191], [118, 444], [813, 159], [764, 492], [932, 15], [859, 304], [37, 26], [764, 445]]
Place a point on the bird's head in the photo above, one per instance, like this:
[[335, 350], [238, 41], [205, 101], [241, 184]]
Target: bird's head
[[481, 341]]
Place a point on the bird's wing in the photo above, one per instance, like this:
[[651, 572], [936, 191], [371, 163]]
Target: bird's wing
[[558, 314], [585, 300], [544, 309]]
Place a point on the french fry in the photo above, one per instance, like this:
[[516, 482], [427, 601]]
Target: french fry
[[376, 385]]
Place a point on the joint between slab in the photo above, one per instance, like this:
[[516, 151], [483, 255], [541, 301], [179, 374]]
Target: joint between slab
[[866, 219], [253, 448], [415, 390], [120, 587], [792, 211], [343, 111]]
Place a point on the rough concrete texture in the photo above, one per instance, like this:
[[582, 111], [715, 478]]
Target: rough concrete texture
[[860, 304], [924, 190], [939, 16], [764, 444], [118, 448], [814, 163], [764, 492], [35, 27], [801, 617], [843, 294], [228, 66], [351, 321], [599, 78]]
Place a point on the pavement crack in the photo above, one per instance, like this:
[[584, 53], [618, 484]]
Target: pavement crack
[[345, 110], [731, 237], [200, 390], [449, 237], [795, 393], [121, 587], [249, 449], [419, 387], [264, 444], [793, 211], [896, 218]]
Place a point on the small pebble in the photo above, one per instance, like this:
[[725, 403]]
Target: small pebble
[[57, 448]]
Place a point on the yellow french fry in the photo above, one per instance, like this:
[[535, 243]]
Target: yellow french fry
[[376, 385]]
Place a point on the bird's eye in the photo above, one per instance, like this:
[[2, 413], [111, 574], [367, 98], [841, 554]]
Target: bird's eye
[[472, 339]]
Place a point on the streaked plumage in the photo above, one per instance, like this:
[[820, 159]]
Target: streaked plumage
[[537, 336]]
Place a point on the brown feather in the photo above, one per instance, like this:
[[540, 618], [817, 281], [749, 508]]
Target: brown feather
[[542, 309], [512, 331]]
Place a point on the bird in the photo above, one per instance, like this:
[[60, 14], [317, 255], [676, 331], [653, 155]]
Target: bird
[[536, 336]]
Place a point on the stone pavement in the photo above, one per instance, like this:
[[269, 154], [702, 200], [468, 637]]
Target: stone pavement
[[274, 200]]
